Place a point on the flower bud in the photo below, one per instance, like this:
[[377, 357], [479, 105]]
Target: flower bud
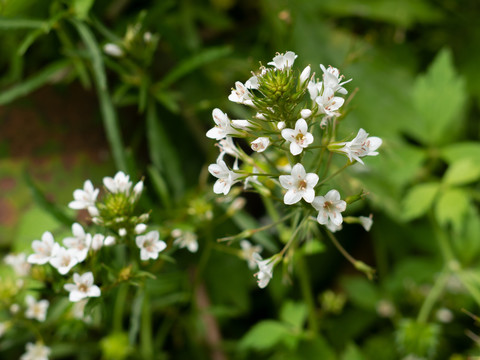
[[138, 188], [113, 50], [305, 75], [140, 228], [305, 113], [109, 241], [260, 144], [122, 232], [281, 125]]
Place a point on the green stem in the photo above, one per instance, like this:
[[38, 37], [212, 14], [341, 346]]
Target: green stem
[[307, 293], [118, 307], [334, 174], [146, 340], [432, 297]]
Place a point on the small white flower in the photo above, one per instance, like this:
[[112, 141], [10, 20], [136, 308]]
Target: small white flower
[[226, 177], [444, 315], [119, 184], [329, 209], [137, 189], [328, 103], [82, 288], [332, 78], [385, 308], [97, 242], [281, 125], [241, 95], [299, 137], [361, 146], [366, 222], [305, 75], [43, 249], [79, 243], [281, 61], [86, 198], [223, 126], [299, 185], [122, 232], [19, 263], [227, 146], [36, 351], [251, 253], [265, 271], [113, 50], [186, 239], [253, 83], [306, 113], [150, 245], [109, 241], [260, 144], [14, 309], [36, 309], [63, 259]]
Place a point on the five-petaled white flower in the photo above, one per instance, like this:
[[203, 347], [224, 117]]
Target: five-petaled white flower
[[226, 177], [260, 144], [36, 351], [79, 243], [241, 95], [223, 126], [299, 185], [299, 137], [328, 103], [82, 288], [36, 309], [63, 259], [119, 184], [361, 146], [185, 239], [332, 78], [265, 271], [43, 249], [85, 199], [329, 209], [282, 61], [251, 253], [150, 245]]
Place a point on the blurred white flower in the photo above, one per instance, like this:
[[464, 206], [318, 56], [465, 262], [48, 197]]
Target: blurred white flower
[[226, 177], [299, 137], [36, 351], [329, 208], [265, 271], [150, 245], [36, 309], [299, 185], [361, 146], [43, 249], [251, 253], [79, 243], [328, 103], [113, 50], [140, 228], [63, 259], [186, 239], [305, 75], [19, 263], [366, 222], [82, 287]]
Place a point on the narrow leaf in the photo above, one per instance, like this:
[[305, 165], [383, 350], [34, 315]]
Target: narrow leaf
[[16, 23]]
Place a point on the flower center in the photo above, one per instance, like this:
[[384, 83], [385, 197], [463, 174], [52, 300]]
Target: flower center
[[327, 205], [302, 185], [83, 288], [299, 138]]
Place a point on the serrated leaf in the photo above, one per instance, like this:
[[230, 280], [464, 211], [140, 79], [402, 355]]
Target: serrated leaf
[[294, 314], [264, 335], [464, 150], [462, 172], [452, 207], [439, 98], [419, 200]]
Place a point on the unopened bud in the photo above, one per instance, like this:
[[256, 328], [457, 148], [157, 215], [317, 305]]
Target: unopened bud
[[138, 188], [113, 50], [140, 228], [305, 113], [122, 232], [305, 75], [109, 241], [260, 144], [281, 125]]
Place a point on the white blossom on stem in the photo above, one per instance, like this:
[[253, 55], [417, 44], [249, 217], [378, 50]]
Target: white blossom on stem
[[305, 75], [119, 184], [299, 137], [19, 263], [223, 126], [86, 198], [82, 287], [361, 146], [36, 309], [241, 95], [329, 209], [150, 245], [332, 78], [366, 222], [36, 351], [43, 249], [260, 144], [185, 239], [299, 185], [328, 103], [226, 177], [79, 243], [251, 253], [63, 259], [265, 271], [283, 61]]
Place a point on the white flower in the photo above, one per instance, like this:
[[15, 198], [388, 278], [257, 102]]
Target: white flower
[[228, 147], [86, 198], [305, 113], [366, 222], [328, 103], [361, 146], [240, 95], [63, 259], [305, 74], [282, 61], [299, 185], [140, 228], [119, 184], [226, 177], [251, 253], [253, 83], [36, 309], [19, 263], [150, 245], [260, 144], [14, 309], [329, 209], [79, 243], [99, 240], [332, 78], [223, 126], [109, 241], [82, 288], [43, 249], [281, 125], [122, 232], [137, 189], [314, 89], [186, 239], [113, 50], [444, 315], [265, 271], [299, 137], [36, 351]]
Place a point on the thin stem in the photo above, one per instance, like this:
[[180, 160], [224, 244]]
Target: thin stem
[[432, 297], [294, 236], [335, 173], [307, 293], [340, 248]]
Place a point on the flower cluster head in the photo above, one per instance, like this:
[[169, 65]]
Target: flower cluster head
[[291, 133]]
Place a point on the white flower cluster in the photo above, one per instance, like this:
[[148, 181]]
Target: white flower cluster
[[295, 119]]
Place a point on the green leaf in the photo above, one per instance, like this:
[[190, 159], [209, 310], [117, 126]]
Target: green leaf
[[462, 172], [439, 98], [352, 352], [419, 200], [361, 292], [294, 314], [264, 335], [33, 83], [464, 150], [452, 207], [82, 7], [18, 23]]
